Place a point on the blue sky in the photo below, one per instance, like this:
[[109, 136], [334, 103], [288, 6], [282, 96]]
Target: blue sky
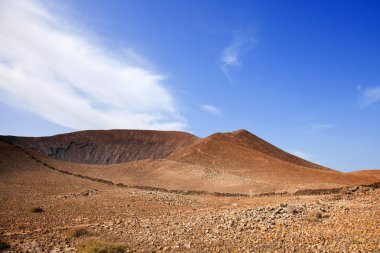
[[303, 75]]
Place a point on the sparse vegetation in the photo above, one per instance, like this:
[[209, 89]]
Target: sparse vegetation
[[78, 232], [4, 245], [37, 210], [313, 216], [97, 246]]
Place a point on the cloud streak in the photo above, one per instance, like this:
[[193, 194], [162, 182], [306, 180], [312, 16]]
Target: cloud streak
[[231, 55], [313, 128], [51, 69], [369, 96], [301, 154], [211, 109]]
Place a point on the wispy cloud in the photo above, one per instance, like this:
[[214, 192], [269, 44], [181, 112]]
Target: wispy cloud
[[56, 71], [369, 96], [231, 55], [301, 154], [211, 109], [319, 127]]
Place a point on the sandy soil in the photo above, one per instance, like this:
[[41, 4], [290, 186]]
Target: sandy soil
[[156, 221]]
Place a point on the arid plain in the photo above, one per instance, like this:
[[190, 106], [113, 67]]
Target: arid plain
[[156, 191]]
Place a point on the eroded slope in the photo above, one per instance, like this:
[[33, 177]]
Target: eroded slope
[[107, 147]]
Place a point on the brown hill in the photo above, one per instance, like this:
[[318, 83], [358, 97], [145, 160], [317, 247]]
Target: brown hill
[[236, 162], [76, 200], [107, 147], [226, 149], [369, 173], [260, 166], [121, 146]]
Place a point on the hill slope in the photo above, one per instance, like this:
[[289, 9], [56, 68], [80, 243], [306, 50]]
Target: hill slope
[[237, 149], [106, 147], [236, 162]]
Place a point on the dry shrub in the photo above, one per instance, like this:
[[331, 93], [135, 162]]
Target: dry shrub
[[314, 216], [78, 232], [37, 210], [94, 245]]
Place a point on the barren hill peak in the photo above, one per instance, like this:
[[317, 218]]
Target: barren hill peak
[[241, 131], [248, 140]]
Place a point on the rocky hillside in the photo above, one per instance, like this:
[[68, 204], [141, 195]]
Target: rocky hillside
[[107, 147]]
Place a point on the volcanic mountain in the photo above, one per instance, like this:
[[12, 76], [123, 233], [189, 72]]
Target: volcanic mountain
[[107, 147], [236, 162]]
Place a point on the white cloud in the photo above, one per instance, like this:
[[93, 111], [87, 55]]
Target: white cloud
[[50, 68], [211, 109], [301, 154], [318, 127], [231, 55], [369, 96]]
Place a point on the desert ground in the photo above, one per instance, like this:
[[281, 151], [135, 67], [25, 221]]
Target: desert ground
[[174, 192]]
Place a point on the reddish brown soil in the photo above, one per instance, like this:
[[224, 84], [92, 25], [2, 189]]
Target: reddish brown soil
[[237, 162], [157, 221], [107, 147], [369, 173]]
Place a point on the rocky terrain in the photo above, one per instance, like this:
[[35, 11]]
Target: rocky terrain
[[52, 205]]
